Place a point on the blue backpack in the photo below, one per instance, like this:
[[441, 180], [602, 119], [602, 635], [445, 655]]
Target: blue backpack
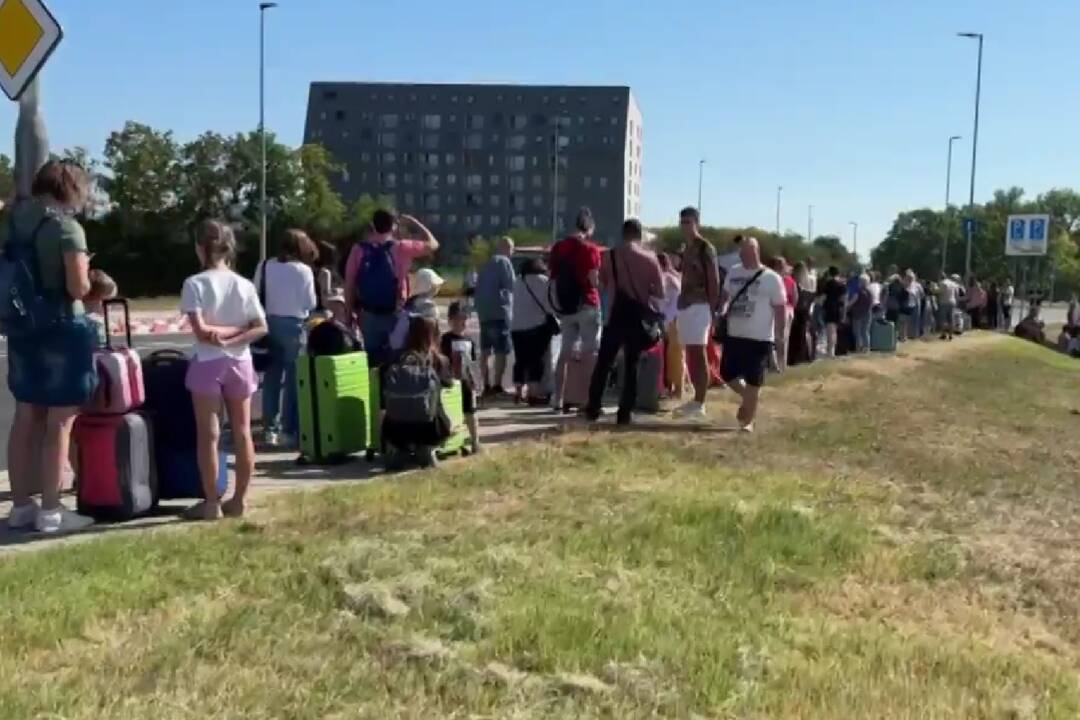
[[376, 280], [25, 307]]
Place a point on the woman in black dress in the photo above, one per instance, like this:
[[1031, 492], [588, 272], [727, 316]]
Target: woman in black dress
[[800, 344]]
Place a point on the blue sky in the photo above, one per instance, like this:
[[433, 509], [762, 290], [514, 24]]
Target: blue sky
[[848, 105]]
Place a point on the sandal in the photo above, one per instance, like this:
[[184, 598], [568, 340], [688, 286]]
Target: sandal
[[233, 508], [202, 512]]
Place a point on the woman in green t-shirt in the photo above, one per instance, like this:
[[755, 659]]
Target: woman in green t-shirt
[[50, 373]]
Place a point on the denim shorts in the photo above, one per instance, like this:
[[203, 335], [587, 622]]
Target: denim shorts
[[55, 367], [495, 337], [227, 377]]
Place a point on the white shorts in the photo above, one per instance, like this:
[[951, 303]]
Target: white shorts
[[694, 324]]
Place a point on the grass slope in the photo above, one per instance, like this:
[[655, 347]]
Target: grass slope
[[899, 540]]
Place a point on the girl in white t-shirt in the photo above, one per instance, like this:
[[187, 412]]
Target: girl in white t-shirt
[[226, 317]]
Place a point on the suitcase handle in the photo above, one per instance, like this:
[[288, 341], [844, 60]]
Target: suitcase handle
[[122, 302], [161, 357]]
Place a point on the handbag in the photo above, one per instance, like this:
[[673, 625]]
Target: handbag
[[652, 320], [551, 325], [262, 350], [720, 331]]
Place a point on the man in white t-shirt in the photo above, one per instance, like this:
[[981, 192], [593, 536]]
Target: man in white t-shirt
[[755, 304]]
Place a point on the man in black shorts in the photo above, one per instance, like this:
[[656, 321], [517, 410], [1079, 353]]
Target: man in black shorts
[[755, 305]]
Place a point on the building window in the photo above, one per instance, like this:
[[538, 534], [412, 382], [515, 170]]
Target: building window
[[407, 158], [517, 221], [564, 141], [429, 141], [408, 178], [330, 95], [451, 219], [389, 158], [449, 158], [365, 157], [474, 201], [496, 221], [322, 115], [538, 181], [453, 98], [588, 182], [516, 142], [410, 200], [474, 141], [474, 181], [388, 180], [491, 161], [388, 121], [597, 120], [629, 207], [614, 121], [562, 99], [560, 203], [518, 122], [344, 134], [516, 163], [430, 160], [475, 122], [603, 183], [388, 140], [494, 180], [517, 183], [432, 122], [431, 201], [339, 115], [473, 222], [517, 203], [345, 174], [431, 181], [451, 180], [537, 201], [494, 199], [470, 99]]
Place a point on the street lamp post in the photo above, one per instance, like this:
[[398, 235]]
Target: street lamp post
[[948, 197], [974, 154], [700, 182], [779, 190], [263, 7], [855, 239]]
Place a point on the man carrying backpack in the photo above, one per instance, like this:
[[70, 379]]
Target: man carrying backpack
[[377, 277], [575, 297]]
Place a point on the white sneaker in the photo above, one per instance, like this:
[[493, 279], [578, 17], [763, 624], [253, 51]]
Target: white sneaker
[[61, 520], [691, 411], [23, 516]]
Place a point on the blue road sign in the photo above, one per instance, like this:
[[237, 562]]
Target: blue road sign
[[1017, 230], [970, 226], [1038, 230]]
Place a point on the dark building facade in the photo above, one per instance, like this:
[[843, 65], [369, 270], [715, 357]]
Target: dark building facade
[[481, 159]]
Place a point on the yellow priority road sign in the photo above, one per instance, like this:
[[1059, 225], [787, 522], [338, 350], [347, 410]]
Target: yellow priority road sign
[[28, 35]]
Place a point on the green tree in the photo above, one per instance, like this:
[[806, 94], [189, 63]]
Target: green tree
[[144, 172], [7, 178], [205, 181], [316, 207]]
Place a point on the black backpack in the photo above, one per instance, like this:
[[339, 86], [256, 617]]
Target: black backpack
[[330, 337], [565, 291]]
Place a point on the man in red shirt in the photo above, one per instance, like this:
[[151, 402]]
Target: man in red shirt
[[575, 281]]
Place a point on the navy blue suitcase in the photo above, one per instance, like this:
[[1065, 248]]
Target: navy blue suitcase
[[169, 405]]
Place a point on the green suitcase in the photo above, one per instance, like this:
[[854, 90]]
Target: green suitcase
[[334, 399], [452, 404]]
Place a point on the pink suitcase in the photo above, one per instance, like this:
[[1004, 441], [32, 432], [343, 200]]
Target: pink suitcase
[[120, 381], [579, 370]]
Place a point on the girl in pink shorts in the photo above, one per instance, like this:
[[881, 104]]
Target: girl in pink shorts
[[226, 317]]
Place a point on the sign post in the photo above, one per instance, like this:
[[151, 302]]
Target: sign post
[[28, 36], [1028, 236]]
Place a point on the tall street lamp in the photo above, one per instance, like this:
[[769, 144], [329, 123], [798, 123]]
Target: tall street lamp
[[855, 239], [779, 190], [700, 181], [263, 7], [948, 197], [810, 224], [970, 224]]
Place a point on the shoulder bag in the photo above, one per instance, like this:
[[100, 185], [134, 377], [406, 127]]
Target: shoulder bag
[[720, 331], [551, 325], [262, 350], [652, 321]]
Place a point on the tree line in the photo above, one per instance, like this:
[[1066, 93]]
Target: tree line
[[152, 190]]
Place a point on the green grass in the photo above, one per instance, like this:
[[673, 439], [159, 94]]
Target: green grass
[[897, 541]]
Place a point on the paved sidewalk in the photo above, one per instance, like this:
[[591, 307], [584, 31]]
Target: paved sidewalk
[[276, 472]]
